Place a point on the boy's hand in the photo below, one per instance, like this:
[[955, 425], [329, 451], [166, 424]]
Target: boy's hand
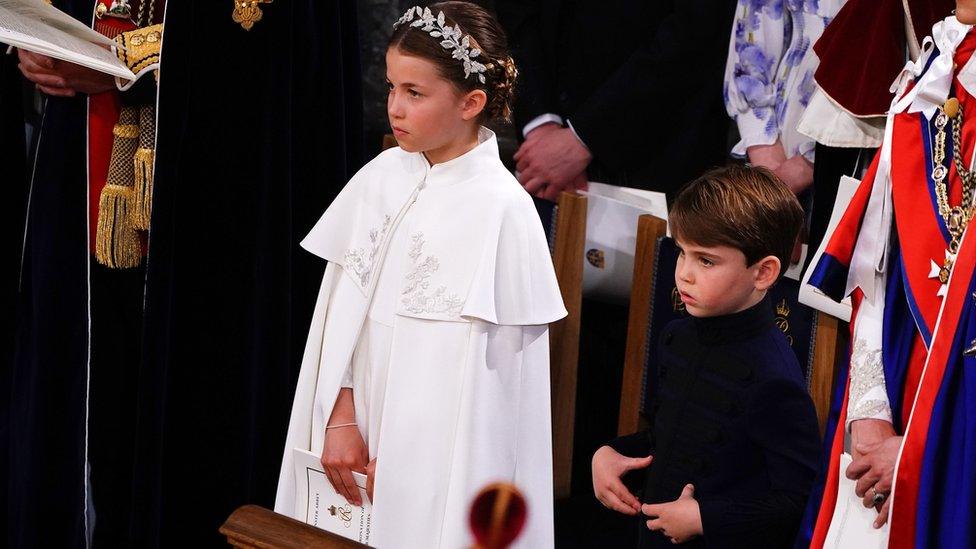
[[370, 478], [679, 520], [344, 452], [608, 467]]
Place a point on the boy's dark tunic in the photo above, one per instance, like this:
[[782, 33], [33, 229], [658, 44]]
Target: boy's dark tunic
[[734, 419]]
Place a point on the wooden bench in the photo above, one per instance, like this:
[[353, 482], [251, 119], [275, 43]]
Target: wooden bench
[[564, 335], [257, 527]]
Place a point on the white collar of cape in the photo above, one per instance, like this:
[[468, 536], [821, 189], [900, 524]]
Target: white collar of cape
[[501, 274], [869, 261]]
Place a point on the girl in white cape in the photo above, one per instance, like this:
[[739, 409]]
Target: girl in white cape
[[427, 361]]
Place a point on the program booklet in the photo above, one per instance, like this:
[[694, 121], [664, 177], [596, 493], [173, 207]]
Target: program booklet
[[35, 25], [318, 504], [611, 237]]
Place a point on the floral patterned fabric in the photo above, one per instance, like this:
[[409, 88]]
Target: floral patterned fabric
[[769, 73]]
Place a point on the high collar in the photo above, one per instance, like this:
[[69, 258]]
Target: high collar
[[738, 326], [460, 168]]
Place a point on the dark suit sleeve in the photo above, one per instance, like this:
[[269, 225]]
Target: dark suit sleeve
[[630, 110], [783, 423], [523, 21], [636, 445]]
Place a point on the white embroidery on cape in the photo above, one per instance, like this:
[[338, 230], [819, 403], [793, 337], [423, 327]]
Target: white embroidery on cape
[[415, 297], [361, 261]]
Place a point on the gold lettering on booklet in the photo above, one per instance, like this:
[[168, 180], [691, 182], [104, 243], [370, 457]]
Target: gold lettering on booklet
[[344, 514]]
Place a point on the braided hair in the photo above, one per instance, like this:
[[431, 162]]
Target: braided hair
[[484, 33]]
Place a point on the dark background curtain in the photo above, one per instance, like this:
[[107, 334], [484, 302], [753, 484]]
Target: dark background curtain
[[258, 130]]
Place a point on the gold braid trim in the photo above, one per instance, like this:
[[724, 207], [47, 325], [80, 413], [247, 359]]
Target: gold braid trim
[[126, 131], [139, 49], [116, 241], [143, 166]]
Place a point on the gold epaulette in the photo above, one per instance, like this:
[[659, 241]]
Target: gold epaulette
[[139, 49]]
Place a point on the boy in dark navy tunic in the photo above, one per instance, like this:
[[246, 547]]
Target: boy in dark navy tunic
[[734, 443]]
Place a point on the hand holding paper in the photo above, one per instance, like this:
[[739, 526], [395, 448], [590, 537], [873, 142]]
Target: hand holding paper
[[61, 78], [319, 505], [38, 27]]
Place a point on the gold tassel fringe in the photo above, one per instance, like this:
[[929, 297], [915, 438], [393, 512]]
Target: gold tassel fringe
[[116, 243], [143, 189]]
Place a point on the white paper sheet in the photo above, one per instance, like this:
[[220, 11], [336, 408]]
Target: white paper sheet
[[852, 525], [35, 26]]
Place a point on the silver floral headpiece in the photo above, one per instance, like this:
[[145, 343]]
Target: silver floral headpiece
[[451, 38]]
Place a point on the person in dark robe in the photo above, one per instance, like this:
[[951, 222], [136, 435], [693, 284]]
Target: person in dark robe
[[13, 143], [153, 374]]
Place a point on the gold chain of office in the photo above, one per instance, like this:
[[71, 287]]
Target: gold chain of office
[[956, 218]]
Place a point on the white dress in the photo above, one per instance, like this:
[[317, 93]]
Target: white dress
[[434, 308]]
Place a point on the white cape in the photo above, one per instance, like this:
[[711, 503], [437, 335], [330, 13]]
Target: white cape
[[467, 398]]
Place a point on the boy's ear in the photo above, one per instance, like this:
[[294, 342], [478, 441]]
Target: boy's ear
[[767, 272], [472, 103]]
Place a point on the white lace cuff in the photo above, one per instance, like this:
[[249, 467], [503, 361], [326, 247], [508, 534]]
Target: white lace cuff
[[868, 393]]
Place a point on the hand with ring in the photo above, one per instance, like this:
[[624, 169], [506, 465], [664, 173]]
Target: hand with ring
[[879, 497], [874, 472]]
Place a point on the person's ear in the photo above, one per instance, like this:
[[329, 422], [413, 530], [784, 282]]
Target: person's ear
[[767, 272], [473, 103]]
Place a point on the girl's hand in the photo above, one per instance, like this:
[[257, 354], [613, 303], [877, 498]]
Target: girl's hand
[[370, 478], [344, 452], [608, 466]]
